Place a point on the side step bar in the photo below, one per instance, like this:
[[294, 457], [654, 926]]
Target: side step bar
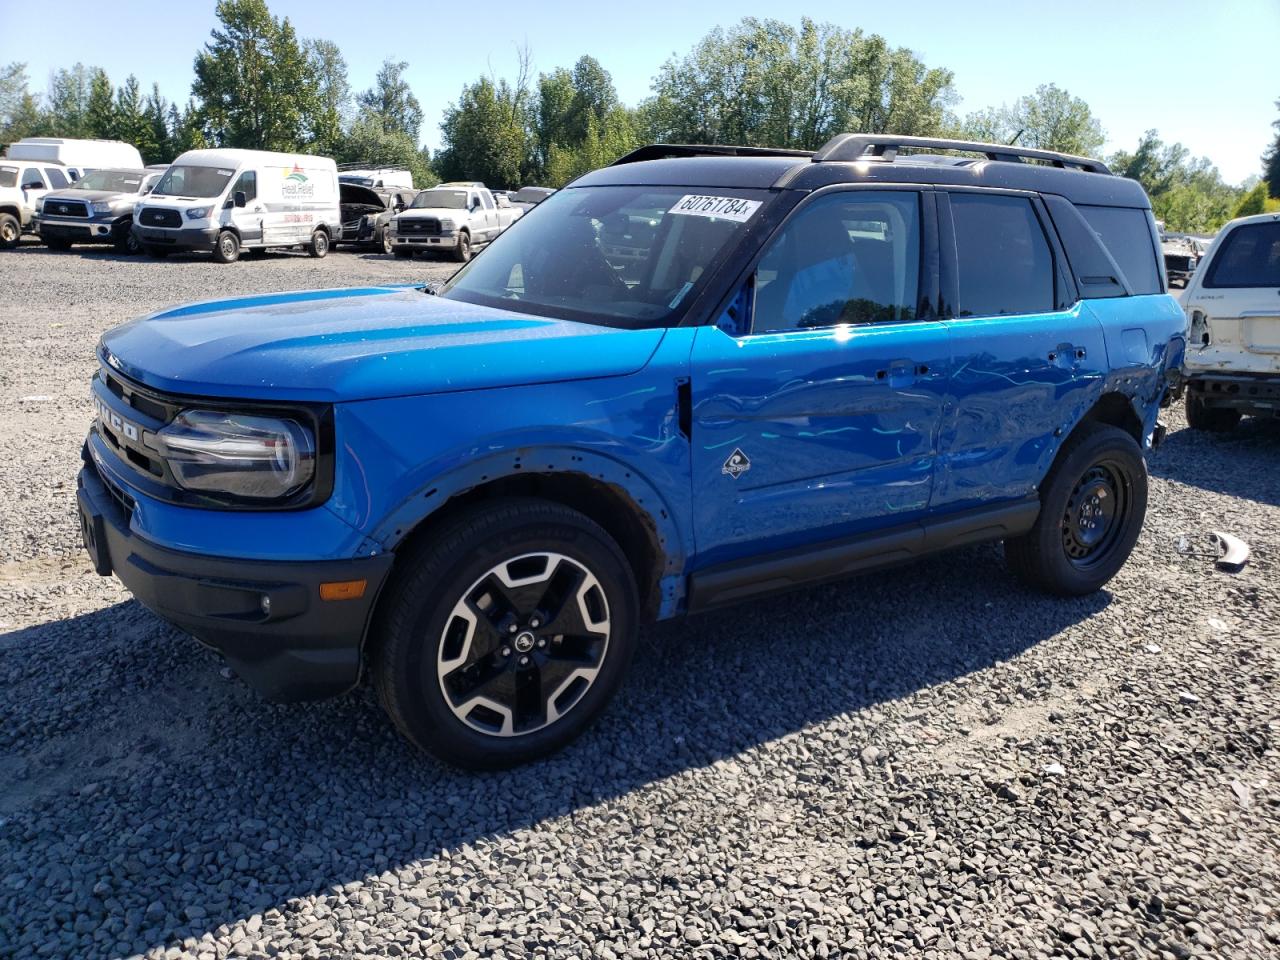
[[738, 580]]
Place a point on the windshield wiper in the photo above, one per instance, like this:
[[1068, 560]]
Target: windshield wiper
[[431, 287]]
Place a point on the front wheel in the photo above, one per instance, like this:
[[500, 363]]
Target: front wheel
[[319, 244], [1091, 510], [126, 241], [462, 252], [1201, 416], [10, 231], [385, 241], [227, 247], [505, 635]]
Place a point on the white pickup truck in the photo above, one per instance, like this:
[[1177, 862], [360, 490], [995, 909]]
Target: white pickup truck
[[453, 217]]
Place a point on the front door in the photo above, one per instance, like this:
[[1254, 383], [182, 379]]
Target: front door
[[249, 220], [822, 420]]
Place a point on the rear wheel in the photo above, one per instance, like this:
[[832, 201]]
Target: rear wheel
[[1091, 510], [125, 241], [462, 252], [1201, 416], [504, 636], [227, 247], [319, 244], [10, 231]]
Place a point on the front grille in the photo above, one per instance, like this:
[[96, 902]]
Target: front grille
[[65, 208], [418, 227], [157, 217], [1177, 262]]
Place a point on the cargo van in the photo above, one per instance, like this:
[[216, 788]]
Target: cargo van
[[226, 201], [80, 155]]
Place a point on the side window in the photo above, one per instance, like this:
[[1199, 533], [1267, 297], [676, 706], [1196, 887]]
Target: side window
[[1248, 257], [31, 179], [846, 258], [1003, 260], [248, 182], [487, 200], [1126, 234], [56, 177]]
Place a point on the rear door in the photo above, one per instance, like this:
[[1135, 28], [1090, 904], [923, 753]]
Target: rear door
[[822, 420], [1234, 303], [1026, 349]]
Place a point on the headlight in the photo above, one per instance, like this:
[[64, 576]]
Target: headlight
[[447, 225], [102, 206], [391, 225], [40, 207], [198, 213], [259, 458]]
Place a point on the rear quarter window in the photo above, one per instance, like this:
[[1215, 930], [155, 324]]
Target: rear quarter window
[[1249, 257], [1126, 233]]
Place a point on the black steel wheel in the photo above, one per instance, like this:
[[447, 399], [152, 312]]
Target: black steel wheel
[[1092, 506], [503, 636]]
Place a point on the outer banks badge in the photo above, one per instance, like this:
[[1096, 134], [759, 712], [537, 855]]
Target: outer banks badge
[[736, 465]]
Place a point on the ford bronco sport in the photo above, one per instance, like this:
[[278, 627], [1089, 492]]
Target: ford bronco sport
[[696, 376]]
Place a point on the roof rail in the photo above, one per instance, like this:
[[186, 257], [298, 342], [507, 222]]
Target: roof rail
[[845, 147], [664, 151]]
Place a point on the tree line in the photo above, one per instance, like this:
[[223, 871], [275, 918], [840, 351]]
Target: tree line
[[760, 82]]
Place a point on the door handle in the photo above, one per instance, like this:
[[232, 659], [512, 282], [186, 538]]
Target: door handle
[[1067, 355], [901, 373]]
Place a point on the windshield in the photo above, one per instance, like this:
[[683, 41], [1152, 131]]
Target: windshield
[[448, 199], [187, 181], [618, 256], [117, 181], [8, 176]]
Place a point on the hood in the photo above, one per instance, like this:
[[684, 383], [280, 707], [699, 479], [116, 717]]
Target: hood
[[361, 344], [454, 213], [88, 196], [354, 193]]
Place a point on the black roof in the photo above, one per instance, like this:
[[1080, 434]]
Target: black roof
[[858, 158]]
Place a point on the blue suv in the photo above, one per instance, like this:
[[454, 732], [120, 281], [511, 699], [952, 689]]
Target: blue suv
[[697, 376]]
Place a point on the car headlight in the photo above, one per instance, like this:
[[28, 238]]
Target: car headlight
[[447, 224], [391, 225], [40, 207], [102, 206], [198, 213], [258, 458]]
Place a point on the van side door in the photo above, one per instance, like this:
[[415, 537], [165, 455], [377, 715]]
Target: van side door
[[1029, 355], [247, 219]]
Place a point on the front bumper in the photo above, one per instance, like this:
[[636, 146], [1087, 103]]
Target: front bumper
[[304, 648], [1257, 394], [426, 241], [78, 230], [178, 238]]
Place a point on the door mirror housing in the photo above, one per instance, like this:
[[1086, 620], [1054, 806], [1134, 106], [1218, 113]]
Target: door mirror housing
[[240, 198], [33, 185]]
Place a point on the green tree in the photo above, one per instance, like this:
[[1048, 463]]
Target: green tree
[[572, 107], [100, 109], [489, 134], [13, 87], [251, 80], [1049, 119], [1187, 193], [68, 101], [330, 104], [366, 142], [1271, 163], [159, 136], [131, 123], [1254, 201], [602, 143], [392, 102]]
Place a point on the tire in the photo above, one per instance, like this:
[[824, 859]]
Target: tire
[[10, 231], [319, 244], [424, 624], [384, 240], [402, 254], [1201, 416], [155, 253], [462, 252], [1091, 510], [227, 247], [125, 241], [59, 244]]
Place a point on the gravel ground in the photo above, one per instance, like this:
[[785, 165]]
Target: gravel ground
[[927, 762]]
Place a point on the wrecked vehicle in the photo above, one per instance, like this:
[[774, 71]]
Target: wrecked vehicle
[[1181, 256], [366, 211], [804, 366], [1232, 304]]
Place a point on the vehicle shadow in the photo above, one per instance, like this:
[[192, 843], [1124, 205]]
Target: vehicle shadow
[[1241, 463], [162, 768]]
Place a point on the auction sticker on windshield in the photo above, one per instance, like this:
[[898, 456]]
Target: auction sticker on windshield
[[721, 208]]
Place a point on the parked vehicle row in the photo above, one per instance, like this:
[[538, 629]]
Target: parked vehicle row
[[453, 218]]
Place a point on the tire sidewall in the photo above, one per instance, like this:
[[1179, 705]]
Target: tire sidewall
[[319, 244], [1108, 443], [421, 619], [227, 247], [9, 224]]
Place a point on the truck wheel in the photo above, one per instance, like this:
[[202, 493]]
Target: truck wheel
[[319, 244], [154, 252], [384, 240], [503, 636], [1091, 510], [462, 252], [10, 231], [402, 254], [125, 242], [227, 249], [57, 243], [1201, 416]]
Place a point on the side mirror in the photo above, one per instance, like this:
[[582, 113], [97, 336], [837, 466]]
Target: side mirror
[[33, 185], [475, 203], [240, 198]]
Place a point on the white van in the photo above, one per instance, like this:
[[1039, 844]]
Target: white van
[[225, 201], [1232, 363], [80, 155]]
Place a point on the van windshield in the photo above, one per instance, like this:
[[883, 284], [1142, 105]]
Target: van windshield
[[448, 199], [621, 256], [118, 181], [188, 181]]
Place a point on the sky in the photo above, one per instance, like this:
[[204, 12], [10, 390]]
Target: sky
[[1204, 73]]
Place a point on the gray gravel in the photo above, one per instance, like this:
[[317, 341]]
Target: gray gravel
[[927, 762]]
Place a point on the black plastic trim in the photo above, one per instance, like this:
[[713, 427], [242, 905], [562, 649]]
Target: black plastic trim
[[739, 580]]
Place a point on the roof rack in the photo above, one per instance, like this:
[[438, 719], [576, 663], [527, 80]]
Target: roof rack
[[846, 147], [665, 151]]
